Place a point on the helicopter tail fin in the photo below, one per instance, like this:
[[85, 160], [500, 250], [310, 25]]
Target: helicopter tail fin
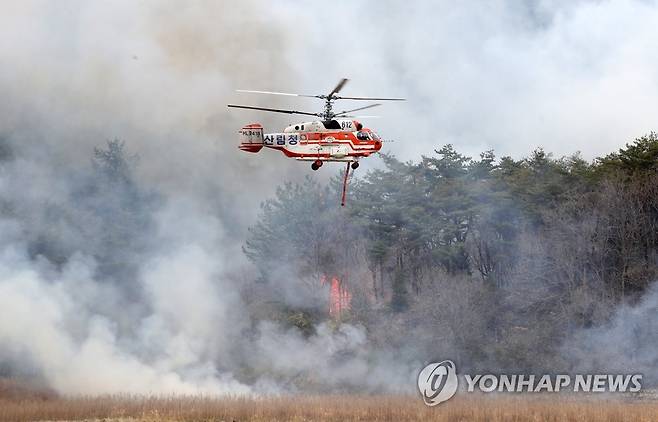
[[251, 137]]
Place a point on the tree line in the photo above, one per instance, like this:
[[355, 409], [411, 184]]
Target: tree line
[[502, 255]]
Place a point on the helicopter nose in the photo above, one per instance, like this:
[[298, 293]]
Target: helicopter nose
[[378, 145]]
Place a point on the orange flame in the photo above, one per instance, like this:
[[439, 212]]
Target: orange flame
[[339, 297]]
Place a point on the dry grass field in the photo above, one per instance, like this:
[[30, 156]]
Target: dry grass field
[[20, 404]]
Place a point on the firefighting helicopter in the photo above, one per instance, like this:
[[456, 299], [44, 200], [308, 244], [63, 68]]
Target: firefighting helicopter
[[337, 137]]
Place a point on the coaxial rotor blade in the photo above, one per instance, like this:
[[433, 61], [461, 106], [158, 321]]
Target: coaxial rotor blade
[[360, 116], [288, 94], [274, 110], [340, 86], [357, 109], [370, 98]]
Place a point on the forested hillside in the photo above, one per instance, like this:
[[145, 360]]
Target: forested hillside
[[494, 259], [542, 264]]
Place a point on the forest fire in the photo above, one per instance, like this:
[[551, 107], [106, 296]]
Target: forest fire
[[497, 258], [339, 297]]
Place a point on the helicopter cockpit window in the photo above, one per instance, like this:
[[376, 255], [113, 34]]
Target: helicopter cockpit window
[[374, 136], [331, 124], [362, 136]]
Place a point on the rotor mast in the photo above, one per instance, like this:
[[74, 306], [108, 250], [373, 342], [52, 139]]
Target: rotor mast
[[328, 113]]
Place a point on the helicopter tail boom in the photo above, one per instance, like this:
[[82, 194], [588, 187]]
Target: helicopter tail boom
[[251, 137]]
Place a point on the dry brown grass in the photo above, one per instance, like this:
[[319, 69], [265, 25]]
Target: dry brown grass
[[326, 408]]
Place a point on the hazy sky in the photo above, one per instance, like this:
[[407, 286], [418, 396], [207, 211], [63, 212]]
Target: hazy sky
[[509, 75]]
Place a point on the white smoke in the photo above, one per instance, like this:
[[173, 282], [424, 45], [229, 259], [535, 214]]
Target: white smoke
[[53, 319], [566, 75], [82, 336], [625, 344]]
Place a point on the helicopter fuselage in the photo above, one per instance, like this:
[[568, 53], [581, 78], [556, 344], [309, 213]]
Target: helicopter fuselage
[[336, 140]]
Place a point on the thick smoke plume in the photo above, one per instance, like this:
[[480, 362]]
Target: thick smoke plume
[[628, 340], [128, 278]]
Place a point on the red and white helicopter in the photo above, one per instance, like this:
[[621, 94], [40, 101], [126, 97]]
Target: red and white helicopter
[[337, 137]]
